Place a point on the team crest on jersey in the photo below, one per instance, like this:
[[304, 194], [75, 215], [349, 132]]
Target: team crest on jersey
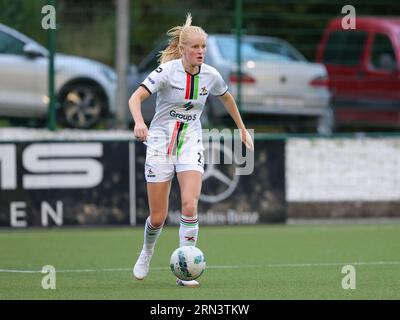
[[203, 91]]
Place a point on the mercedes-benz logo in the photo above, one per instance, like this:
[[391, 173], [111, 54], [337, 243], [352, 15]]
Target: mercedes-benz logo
[[220, 177]]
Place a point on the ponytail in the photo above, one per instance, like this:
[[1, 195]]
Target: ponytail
[[177, 37]]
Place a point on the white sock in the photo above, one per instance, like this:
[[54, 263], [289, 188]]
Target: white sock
[[151, 235], [188, 230]]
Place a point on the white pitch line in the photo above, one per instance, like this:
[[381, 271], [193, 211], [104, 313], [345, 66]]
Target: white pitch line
[[19, 271], [278, 265]]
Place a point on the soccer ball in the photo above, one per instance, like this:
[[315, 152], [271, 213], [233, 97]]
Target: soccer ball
[[187, 263]]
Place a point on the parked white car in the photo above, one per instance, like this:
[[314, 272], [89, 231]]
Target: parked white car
[[85, 89], [278, 84]]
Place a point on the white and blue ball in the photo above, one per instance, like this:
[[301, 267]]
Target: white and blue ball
[[187, 263]]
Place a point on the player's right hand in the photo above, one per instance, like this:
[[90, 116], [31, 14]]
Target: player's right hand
[[246, 139], [140, 131]]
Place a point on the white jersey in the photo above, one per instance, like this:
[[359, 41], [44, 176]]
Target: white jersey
[[181, 97]]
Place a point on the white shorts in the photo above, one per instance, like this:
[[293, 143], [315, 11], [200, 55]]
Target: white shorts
[[160, 167]]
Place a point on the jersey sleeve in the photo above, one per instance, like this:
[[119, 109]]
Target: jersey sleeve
[[156, 80], [219, 87]]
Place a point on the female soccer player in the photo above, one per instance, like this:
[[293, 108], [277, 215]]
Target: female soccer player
[[174, 141]]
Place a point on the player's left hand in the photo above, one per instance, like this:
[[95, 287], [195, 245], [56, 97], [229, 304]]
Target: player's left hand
[[246, 139]]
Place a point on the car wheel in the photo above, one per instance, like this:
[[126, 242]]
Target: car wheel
[[81, 106]]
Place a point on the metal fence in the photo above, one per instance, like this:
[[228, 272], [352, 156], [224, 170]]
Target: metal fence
[[88, 29]]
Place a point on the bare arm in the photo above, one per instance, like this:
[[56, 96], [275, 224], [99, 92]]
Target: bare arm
[[135, 104], [230, 106]]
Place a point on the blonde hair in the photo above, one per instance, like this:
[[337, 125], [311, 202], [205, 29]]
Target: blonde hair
[[178, 36]]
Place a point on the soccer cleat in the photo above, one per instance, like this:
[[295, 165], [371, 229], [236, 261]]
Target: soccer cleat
[[141, 268], [187, 283]]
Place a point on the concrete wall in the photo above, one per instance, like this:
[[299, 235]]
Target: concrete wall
[[342, 177]]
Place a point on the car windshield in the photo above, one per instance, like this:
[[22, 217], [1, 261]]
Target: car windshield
[[267, 50]]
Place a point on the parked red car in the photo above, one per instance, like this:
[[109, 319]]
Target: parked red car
[[364, 71]]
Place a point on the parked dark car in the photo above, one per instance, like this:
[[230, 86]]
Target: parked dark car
[[364, 72]]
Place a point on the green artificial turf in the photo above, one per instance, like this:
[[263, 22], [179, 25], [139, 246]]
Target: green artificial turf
[[243, 262]]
